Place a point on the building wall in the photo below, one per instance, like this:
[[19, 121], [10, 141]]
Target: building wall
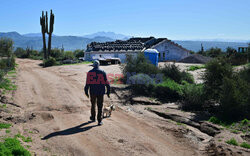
[[90, 56], [172, 51]]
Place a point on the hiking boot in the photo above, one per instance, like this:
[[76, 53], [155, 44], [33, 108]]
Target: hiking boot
[[100, 123], [92, 119]]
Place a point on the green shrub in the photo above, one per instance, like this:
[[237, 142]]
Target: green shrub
[[193, 97], [50, 62], [215, 71], [139, 65], [171, 84], [68, 55], [141, 84], [168, 90], [238, 58], [215, 120], [232, 141], [235, 98], [245, 122], [6, 47], [245, 73], [12, 146], [7, 63], [171, 71], [79, 53], [141, 79], [58, 54], [20, 53], [245, 145]]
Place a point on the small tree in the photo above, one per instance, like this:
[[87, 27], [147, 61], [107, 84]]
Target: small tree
[[214, 52], [6, 47], [231, 51]]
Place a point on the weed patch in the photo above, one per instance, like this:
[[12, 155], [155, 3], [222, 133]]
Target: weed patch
[[5, 125], [232, 141], [195, 67], [12, 146], [245, 145], [24, 139]]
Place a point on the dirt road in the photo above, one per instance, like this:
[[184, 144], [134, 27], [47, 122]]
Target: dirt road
[[58, 112]]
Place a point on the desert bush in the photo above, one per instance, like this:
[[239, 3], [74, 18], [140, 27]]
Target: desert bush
[[6, 47], [50, 62], [7, 64], [20, 52], [139, 79], [58, 54], [172, 72], [235, 98], [238, 59], [68, 55], [168, 90], [245, 73], [193, 97], [138, 65], [141, 84], [79, 53], [215, 71]]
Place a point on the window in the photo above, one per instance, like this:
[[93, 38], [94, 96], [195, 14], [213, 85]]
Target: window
[[163, 56], [159, 55]]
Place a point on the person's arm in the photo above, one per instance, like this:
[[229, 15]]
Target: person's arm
[[107, 84], [86, 88]]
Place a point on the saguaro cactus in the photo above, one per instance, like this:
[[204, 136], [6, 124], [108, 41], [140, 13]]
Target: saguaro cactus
[[44, 27], [49, 30]]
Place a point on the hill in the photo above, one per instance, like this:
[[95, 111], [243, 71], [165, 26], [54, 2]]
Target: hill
[[34, 40], [68, 42]]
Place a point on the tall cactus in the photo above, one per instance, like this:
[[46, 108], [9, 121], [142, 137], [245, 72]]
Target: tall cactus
[[44, 27], [50, 30]]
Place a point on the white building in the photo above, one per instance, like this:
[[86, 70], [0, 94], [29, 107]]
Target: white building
[[168, 50]]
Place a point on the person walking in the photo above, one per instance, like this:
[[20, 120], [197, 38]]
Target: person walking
[[95, 85]]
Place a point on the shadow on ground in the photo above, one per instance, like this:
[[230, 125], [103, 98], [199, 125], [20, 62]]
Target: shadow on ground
[[70, 131]]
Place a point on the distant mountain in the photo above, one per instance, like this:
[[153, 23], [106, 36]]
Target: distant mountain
[[33, 35], [34, 40], [109, 35], [196, 45]]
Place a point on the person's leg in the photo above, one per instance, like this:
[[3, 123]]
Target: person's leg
[[99, 105], [93, 103]]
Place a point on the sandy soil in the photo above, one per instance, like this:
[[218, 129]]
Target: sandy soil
[[57, 113], [197, 74]]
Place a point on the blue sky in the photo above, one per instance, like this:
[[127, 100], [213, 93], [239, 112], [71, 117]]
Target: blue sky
[[175, 19]]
